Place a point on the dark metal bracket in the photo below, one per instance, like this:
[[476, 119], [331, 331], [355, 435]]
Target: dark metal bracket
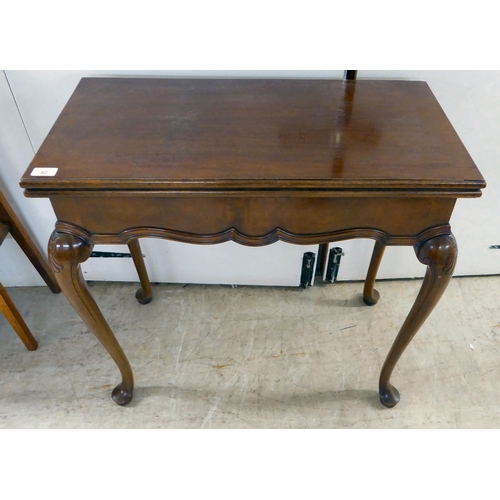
[[108, 255], [333, 266], [307, 269]]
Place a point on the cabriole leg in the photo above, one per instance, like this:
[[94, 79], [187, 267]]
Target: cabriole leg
[[66, 253], [145, 294], [440, 255], [370, 295]]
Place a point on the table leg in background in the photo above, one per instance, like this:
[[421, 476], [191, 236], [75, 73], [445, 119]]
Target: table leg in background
[[370, 295], [145, 294]]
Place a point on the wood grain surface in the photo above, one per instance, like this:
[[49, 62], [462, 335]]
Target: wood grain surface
[[245, 134]]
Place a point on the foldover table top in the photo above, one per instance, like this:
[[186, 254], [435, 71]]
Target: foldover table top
[[153, 133]]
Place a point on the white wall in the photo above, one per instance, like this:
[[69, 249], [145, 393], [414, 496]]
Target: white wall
[[36, 215]]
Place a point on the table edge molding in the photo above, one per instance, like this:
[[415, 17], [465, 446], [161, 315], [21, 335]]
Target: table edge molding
[[232, 234]]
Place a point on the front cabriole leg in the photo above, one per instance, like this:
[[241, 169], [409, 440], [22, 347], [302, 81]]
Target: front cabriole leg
[[66, 253], [440, 255]]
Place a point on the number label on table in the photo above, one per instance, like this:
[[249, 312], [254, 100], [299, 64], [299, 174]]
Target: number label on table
[[44, 172]]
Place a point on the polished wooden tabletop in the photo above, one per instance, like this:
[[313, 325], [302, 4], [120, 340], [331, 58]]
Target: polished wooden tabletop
[[153, 133]]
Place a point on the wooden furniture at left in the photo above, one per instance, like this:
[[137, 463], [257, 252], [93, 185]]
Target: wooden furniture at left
[[10, 223]]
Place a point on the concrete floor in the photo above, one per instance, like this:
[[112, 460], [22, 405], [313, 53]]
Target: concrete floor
[[252, 357]]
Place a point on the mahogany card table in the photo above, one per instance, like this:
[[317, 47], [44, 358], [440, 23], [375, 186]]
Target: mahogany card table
[[255, 161]]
